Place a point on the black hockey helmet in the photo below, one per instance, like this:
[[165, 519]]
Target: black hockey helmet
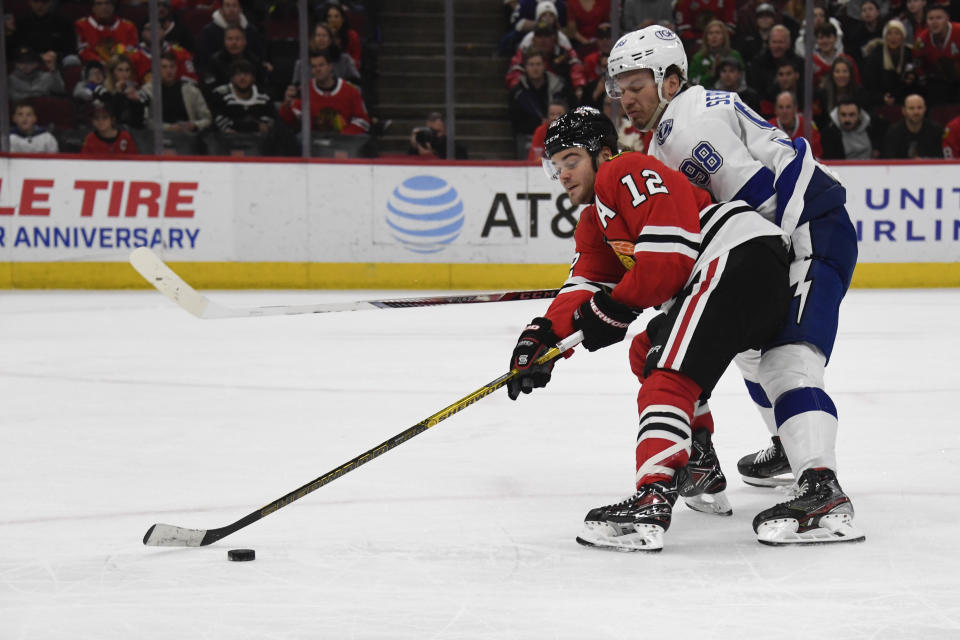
[[584, 127]]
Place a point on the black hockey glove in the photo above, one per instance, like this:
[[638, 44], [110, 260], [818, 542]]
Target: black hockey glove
[[603, 320], [537, 338]]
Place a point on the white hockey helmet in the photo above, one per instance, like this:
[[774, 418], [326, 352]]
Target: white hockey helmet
[[656, 48]]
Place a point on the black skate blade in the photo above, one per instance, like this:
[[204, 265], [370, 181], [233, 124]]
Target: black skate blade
[[587, 543], [768, 483], [709, 512], [813, 543]]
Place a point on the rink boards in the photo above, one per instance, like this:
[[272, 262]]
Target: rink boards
[[71, 222]]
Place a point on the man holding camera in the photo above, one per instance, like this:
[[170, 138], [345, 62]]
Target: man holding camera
[[431, 140]]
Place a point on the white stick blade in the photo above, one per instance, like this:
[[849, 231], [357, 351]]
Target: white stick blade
[[166, 535], [154, 271]]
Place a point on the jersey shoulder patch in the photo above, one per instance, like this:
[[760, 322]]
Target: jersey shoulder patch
[[664, 130]]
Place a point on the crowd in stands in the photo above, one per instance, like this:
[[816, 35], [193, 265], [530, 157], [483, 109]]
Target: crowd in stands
[[79, 75], [886, 72]]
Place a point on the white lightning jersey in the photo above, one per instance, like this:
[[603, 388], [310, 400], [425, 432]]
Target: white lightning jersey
[[722, 145]]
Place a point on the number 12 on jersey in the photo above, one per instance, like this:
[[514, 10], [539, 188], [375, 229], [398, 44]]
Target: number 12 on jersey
[[653, 184]]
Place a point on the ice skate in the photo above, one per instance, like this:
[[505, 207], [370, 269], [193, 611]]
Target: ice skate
[[701, 482], [634, 524], [821, 513], [767, 468]]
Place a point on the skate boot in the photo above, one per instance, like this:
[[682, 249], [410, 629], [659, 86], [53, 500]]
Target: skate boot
[[701, 482], [635, 524], [820, 513], [767, 468]]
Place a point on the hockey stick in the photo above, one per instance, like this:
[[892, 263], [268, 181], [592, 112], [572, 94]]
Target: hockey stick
[[165, 535], [156, 272]]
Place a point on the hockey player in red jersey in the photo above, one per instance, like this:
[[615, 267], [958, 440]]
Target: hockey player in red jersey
[[717, 272]]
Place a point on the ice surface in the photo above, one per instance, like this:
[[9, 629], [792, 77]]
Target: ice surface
[[120, 410]]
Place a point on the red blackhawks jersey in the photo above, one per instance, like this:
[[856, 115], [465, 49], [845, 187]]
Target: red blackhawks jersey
[[692, 16], [142, 61], [951, 139], [123, 144], [933, 55], [646, 236], [340, 110], [100, 42]]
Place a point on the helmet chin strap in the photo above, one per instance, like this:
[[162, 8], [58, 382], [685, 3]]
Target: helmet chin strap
[[652, 122]]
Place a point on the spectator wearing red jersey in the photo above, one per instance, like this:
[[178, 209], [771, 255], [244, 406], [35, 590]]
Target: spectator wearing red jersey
[[937, 52], [142, 61], [106, 138], [951, 139], [334, 15], [584, 17], [560, 61], [556, 109], [336, 106], [102, 35], [692, 17], [790, 120]]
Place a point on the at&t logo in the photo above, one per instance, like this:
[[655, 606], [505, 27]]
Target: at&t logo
[[425, 213]]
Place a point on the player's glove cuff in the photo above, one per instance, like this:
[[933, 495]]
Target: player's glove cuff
[[603, 320]]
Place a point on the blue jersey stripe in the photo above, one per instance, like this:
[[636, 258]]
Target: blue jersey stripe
[[787, 180], [758, 189], [801, 400], [757, 393], [821, 192]]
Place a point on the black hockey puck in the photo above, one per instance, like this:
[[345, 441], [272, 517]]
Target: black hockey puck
[[241, 555]]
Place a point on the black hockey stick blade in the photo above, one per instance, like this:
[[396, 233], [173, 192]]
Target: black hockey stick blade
[[166, 535]]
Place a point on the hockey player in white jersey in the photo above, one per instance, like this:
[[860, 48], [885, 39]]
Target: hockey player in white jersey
[[722, 145]]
